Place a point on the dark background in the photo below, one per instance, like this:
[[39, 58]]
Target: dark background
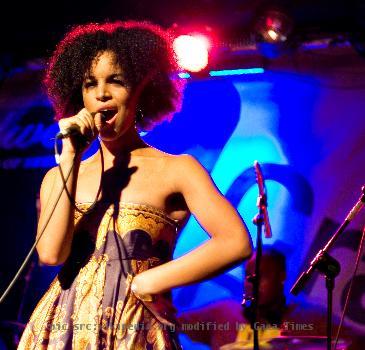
[[31, 29]]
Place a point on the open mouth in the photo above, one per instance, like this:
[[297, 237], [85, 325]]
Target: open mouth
[[108, 114]]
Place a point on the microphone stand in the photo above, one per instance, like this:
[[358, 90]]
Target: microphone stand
[[328, 266], [261, 218], [258, 220]]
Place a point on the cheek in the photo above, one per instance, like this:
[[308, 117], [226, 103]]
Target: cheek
[[86, 100]]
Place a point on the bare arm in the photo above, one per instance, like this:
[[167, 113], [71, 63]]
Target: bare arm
[[55, 244], [229, 243]]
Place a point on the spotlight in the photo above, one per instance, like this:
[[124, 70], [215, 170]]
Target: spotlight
[[273, 32], [274, 26], [192, 52]]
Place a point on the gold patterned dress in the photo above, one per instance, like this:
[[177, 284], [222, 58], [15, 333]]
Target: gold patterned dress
[[90, 305]]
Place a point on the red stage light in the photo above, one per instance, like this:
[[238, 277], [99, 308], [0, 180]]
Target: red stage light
[[192, 52]]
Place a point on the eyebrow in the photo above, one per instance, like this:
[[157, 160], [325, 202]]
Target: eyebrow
[[115, 75]]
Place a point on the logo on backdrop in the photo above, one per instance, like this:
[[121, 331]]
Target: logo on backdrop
[[26, 122]]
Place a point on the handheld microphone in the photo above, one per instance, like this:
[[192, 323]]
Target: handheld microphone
[[262, 202], [72, 131], [75, 132]]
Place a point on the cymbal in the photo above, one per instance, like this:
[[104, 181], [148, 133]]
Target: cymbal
[[288, 342], [307, 342], [244, 345]]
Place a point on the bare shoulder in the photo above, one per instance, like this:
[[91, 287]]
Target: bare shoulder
[[48, 181], [188, 164], [181, 164], [179, 171], [152, 152], [49, 176], [167, 160], [189, 174]]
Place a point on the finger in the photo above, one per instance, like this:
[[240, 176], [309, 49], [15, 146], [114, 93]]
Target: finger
[[99, 120], [87, 118], [83, 124], [93, 122], [66, 123]]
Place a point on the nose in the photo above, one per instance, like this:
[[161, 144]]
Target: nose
[[102, 93]]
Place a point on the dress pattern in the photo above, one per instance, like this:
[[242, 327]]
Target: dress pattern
[[89, 305]]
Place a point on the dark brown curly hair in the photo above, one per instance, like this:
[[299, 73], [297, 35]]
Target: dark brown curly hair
[[144, 52]]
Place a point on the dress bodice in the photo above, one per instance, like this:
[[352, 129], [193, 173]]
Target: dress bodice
[[122, 232]]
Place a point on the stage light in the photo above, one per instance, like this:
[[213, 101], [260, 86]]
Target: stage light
[[192, 52], [227, 72], [231, 72], [274, 33], [274, 26]]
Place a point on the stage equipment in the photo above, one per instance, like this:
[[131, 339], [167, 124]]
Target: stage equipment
[[192, 52], [328, 266], [286, 342], [250, 303]]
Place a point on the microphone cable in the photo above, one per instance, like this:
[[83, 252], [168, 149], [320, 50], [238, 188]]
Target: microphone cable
[[64, 181], [31, 251], [73, 203]]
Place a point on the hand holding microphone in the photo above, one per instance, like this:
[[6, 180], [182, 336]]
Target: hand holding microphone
[[80, 130]]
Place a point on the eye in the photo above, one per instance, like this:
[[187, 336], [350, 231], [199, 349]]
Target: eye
[[89, 83], [118, 81]]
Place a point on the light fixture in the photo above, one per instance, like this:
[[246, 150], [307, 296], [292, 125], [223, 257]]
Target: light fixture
[[274, 26], [274, 33], [192, 52]]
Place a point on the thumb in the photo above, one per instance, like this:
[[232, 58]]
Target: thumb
[[99, 120]]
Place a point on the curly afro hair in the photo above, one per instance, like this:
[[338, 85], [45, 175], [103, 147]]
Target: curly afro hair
[[143, 51]]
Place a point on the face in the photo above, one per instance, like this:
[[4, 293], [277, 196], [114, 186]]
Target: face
[[104, 90], [272, 278]]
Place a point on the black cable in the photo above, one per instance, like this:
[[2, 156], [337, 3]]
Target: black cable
[[71, 199], [358, 258], [73, 203], [27, 258]]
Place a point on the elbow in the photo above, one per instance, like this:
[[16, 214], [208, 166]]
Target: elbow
[[50, 259], [243, 248], [248, 250], [248, 247]]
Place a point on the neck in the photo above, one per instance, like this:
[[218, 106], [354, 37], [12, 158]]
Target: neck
[[123, 147]]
